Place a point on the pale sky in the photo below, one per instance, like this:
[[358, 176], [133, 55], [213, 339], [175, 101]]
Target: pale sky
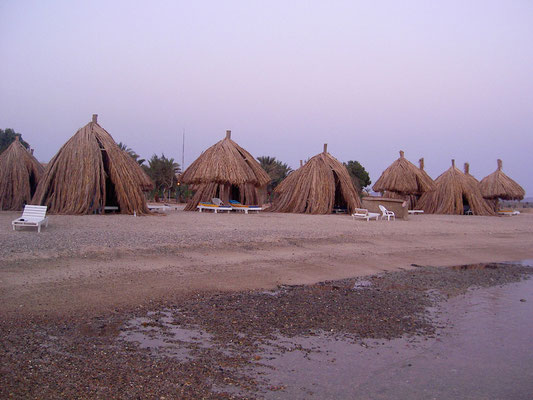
[[439, 80]]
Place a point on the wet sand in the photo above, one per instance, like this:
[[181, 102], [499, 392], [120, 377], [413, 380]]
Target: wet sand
[[379, 336]]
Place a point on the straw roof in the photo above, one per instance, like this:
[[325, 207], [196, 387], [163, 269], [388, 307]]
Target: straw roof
[[225, 162], [225, 170], [452, 189], [403, 177], [498, 185], [19, 175], [89, 172], [316, 187], [470, 177]]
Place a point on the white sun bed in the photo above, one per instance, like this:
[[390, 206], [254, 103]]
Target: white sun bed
[[414, 212], [362, 213], [509, 212], [32, 216], [158, 208], [213, 207]]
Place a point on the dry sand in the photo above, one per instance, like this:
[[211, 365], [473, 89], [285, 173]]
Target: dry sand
[[101, 263]]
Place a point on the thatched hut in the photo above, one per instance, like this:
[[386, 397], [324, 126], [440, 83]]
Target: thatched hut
[[90, 172], [499, 186], [317, 187], [455, 194], [20, 173], [403, 180], [227, 171]]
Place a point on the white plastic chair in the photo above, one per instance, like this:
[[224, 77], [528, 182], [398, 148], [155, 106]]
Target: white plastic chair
[[386, 213]]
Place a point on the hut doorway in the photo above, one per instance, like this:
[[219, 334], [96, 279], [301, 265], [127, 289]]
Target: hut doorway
[[466, 206], [110, 192], [339, 202], [33, 184], [235, 193]]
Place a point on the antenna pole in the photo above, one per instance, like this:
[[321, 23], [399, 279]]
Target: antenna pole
[[183, 151]]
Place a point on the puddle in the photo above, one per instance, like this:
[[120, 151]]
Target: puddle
[[362, 284], [482, 351], [159, 333]]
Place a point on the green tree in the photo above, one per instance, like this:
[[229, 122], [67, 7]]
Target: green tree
[[359, 175], [163, 172], [131, 152], [275, 169], [7, 137]]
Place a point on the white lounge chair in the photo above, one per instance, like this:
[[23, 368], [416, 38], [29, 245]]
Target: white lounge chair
[[386, 213], [210, 206], [362, 213], [32, 216], [414, 212]]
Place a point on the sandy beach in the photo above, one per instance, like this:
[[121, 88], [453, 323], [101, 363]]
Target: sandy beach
[[103, 262], [189, 305]]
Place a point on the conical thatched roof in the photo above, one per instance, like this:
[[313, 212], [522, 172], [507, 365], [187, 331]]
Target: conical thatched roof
[[225, 162], [223, 170], [452, 189], [89, 172], [403, 177], [20, 173], [318, 186], [470, 177], [498, 185]]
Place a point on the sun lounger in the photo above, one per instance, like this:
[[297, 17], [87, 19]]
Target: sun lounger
[[158, 208], [210, 206], [386, 213], [508, 212], [237, 206], [32, 216], [362, 213], [414, 212]]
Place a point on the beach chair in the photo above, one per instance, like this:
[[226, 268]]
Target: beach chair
[[386, 213], [508, 213], [213, 207], [237, 206], [362, 213], [32, 216]]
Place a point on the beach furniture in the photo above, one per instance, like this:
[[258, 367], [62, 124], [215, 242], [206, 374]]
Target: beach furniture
[[215, 208], [386, 213], [414, 212], [508, 212], [32, 216], [237, 206], [362, 213], [158, 208]]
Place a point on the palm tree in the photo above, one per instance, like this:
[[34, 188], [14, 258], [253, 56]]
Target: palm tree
[[163, 172], [275, 169], [131, 152]]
